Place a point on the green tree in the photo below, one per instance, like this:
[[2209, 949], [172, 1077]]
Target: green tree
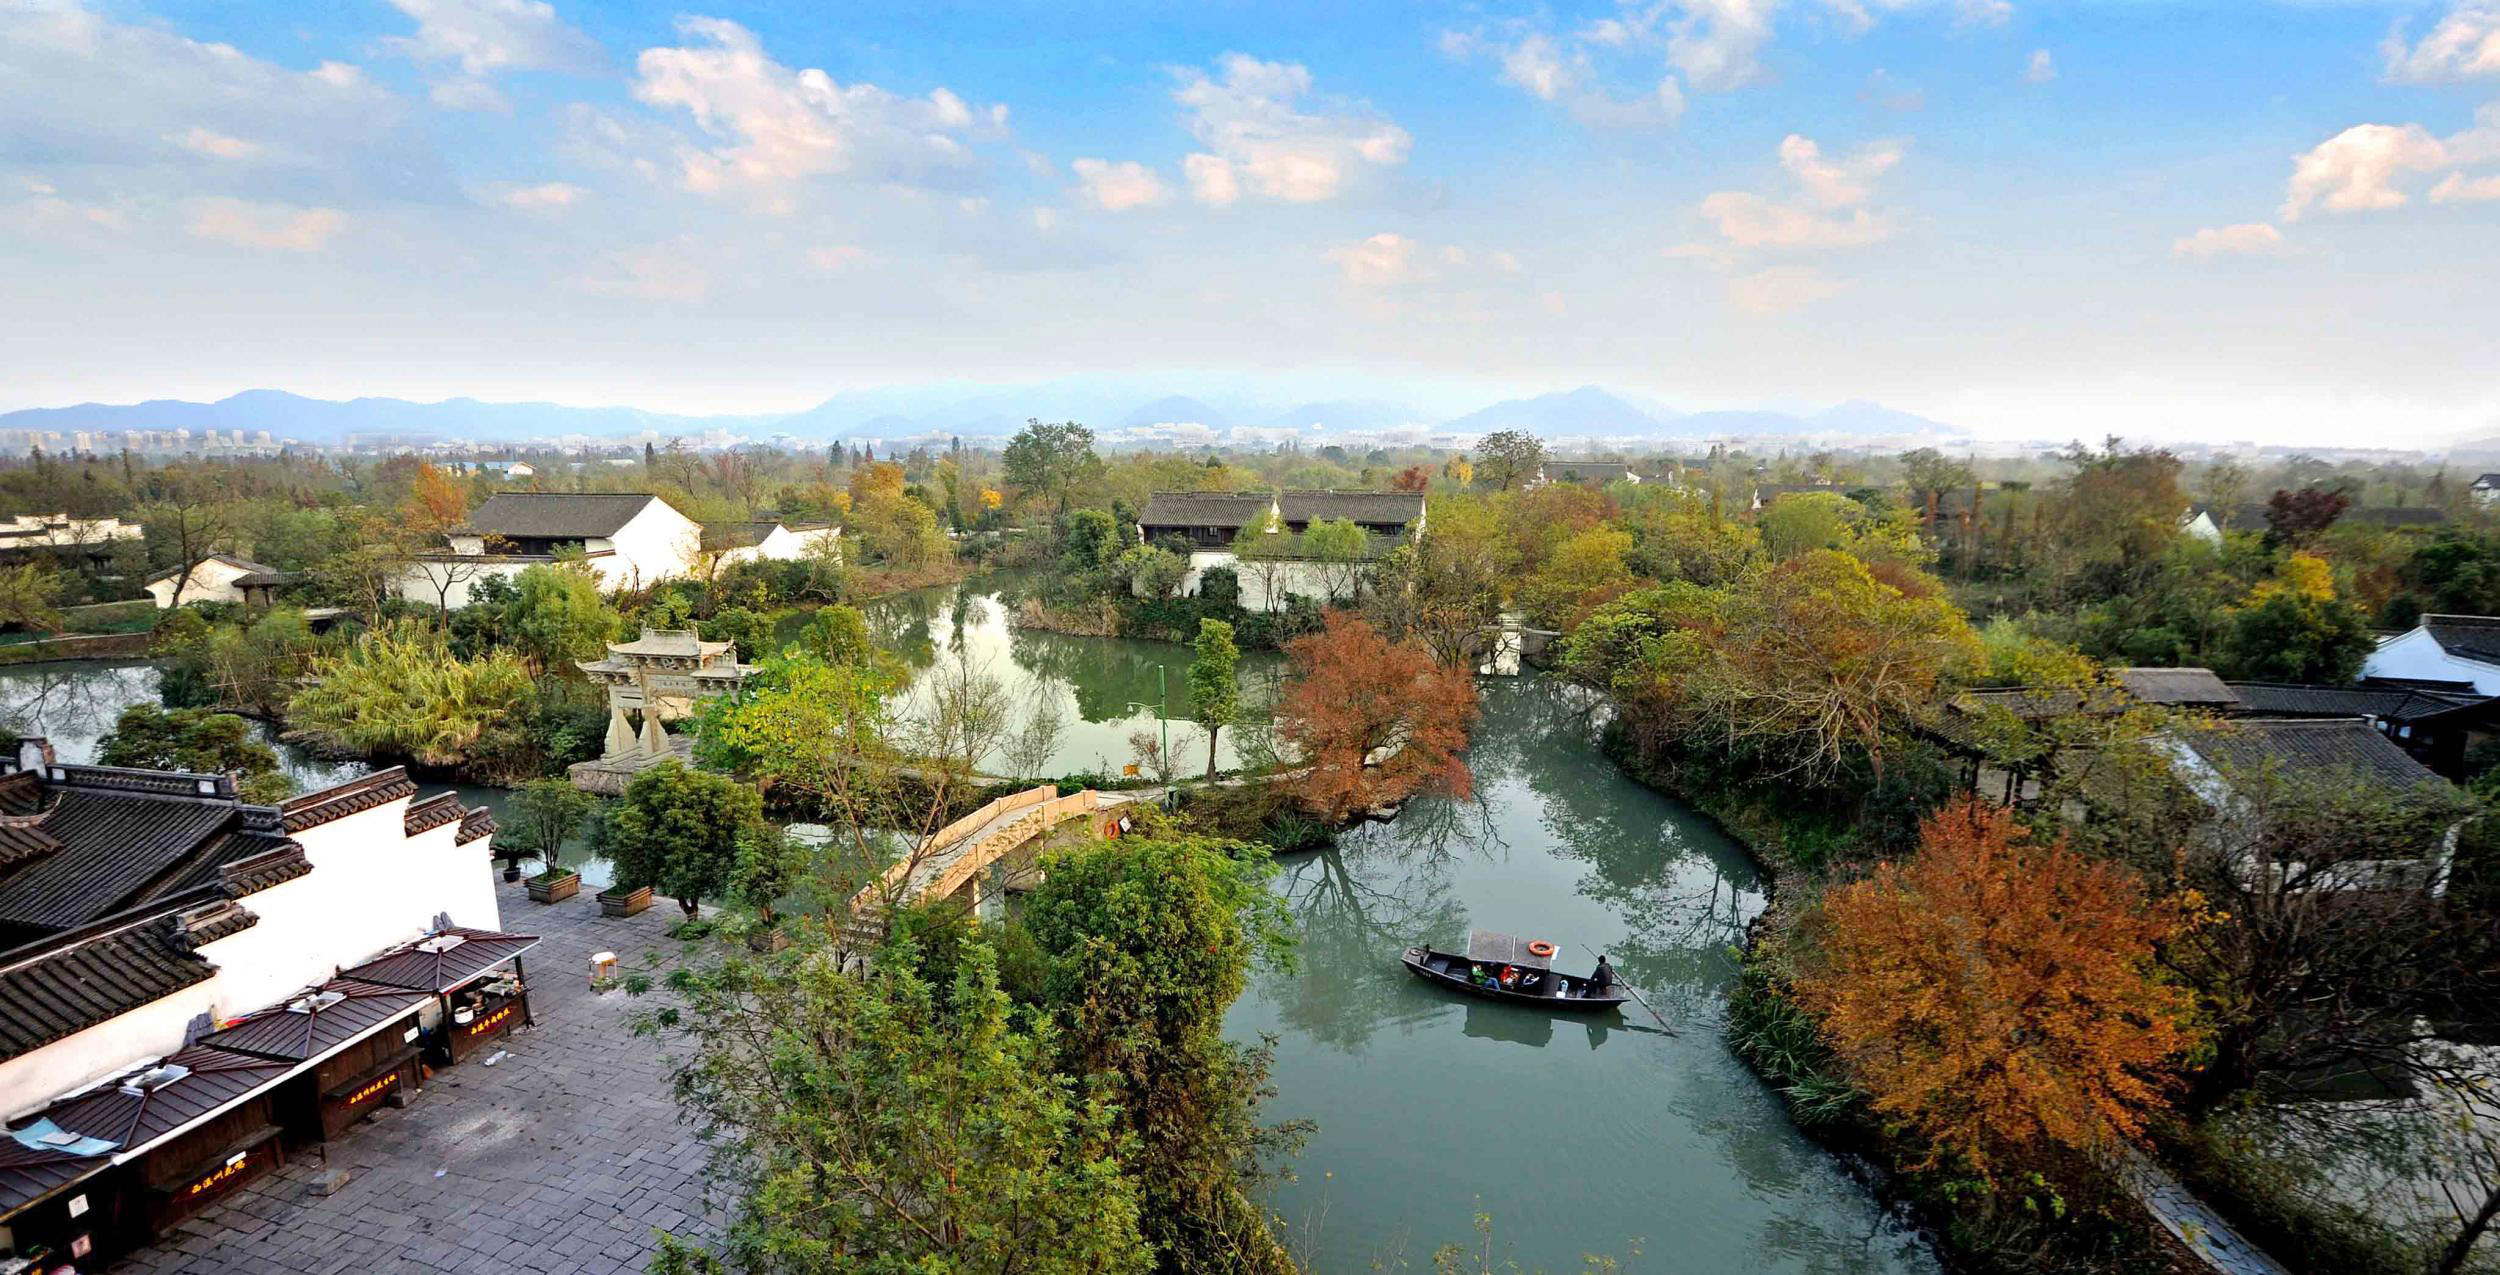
[[838, 634], [30, 596], [1151, 572], [677, 831], [1148, 941], [2291, 637], [1215, 683], [886, 1126], [1048, 461], [1509, 458], [541, 817], [556, 616], [146, 737], [1340, 548], [399, 692]]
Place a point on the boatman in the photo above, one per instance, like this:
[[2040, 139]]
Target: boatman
[[1601, 979]]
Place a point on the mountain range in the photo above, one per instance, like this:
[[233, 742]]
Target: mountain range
[[1589, 413]]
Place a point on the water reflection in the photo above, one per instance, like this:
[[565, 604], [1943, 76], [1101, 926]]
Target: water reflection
[[1431, 1105]]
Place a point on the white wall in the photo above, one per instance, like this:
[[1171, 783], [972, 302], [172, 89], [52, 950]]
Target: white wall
[[422, 582], [372, 887], [2416, 655], [33, 1079], [1310, 579], [659, 544], [211, 581], [783, 545]]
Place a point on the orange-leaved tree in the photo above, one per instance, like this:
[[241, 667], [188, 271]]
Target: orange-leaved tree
[[1375, 720], [1999, 994]]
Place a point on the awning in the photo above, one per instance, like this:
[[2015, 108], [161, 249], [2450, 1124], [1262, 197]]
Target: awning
[[320, 1022], [443, 960]]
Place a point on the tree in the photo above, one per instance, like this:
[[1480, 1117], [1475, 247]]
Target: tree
[[1509, 457], [556, 616], [1215, 683], [1998, 994], [541, 817], [1929, 474], [889, 1126], [2292, 628], [399, 692], [838, 634], [1149, 940], [1050, 460], [1443, 590], [1412, 478], [1822, 659], [1374, 721], [1150, 572], [200, 741], [1341, 549], [2298, 518], [190, 521], [678, 830], [1584, 572], [30, 596]]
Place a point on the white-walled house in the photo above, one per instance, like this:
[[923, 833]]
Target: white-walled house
[[219, 577], [137, 905], [2442, 648], [629, 540], [1213, 523], [731, 543]]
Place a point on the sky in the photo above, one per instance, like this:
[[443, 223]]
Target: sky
[[2277, 222]]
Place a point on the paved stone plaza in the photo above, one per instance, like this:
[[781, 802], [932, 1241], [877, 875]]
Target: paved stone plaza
[[566, 1156]]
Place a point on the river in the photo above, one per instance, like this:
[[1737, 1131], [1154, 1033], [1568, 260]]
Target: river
[[1577, 1138]]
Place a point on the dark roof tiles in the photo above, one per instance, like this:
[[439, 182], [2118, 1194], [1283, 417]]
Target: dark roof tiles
[[2182, 686], [430, 965], [557, 515], [476, 822], [1205, 508], [47, 995], [140, 1108], [113, 846], [336, 1013], [314, 809], [434, 812], [1376, 508], [2468, 637], [2338, 751]]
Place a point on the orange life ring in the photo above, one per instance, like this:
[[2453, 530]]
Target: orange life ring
[[1540, 948]]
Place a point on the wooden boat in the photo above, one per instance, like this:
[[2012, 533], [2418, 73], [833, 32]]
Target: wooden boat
[[1535, 981]]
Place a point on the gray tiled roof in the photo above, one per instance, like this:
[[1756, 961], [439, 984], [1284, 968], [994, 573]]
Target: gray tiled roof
[[113, 845], [557, 515], [57, 989], [2393, 703], [2174, 686], [1204, 508], [2468, 637], [336, 1013], [2337, 751], [1384, 508], [245, 565]]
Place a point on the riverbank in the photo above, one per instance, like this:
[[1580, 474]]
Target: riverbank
[[2021, 1230]]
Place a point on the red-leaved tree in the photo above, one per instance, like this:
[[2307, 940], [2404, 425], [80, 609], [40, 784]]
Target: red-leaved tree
[[1376, 721], [2000, 994]]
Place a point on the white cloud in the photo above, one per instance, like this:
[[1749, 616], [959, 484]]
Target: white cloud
[[2457, 188], [217, 145], [1717, 43], [2465, 43], [2356, 170], [1838, 183], [1748, 220], [1781, 289], [835, 258], [2041, 69], [1118, 187], [170, 118], [1258, 139], [2248, 239], [1883, 90], [277, 227], [469, 40], [1562, 70], [772, 127], [543, 197], [1384, 260]]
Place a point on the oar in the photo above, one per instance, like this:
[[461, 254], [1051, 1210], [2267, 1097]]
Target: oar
[[1653, 1013]]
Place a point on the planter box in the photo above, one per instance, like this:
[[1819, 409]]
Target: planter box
[[544, 890], [624, 902]]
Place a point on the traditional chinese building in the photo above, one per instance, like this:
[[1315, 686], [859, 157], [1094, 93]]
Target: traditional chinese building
[[661, 675]]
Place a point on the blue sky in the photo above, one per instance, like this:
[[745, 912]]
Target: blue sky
[[2264, 222]]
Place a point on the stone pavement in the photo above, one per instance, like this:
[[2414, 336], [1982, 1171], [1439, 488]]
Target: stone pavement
[[564, 1157]]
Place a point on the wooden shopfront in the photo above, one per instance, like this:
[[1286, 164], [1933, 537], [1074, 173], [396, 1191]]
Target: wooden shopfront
[[357, 1044], [478, 979], [192, 1129], [56, 1209]]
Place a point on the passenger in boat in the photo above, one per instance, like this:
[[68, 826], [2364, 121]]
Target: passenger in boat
[[1601, 979]]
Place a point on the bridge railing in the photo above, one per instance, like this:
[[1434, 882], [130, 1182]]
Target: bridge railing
[[1043, 800]]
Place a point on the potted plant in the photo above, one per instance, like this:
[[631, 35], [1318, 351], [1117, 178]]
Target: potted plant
[[544, 814], [623, 900]]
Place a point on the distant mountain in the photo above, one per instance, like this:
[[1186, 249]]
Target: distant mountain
[[1582, 413], [1174, 409], [1359, 414], [1857, 416], [321, 420]]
